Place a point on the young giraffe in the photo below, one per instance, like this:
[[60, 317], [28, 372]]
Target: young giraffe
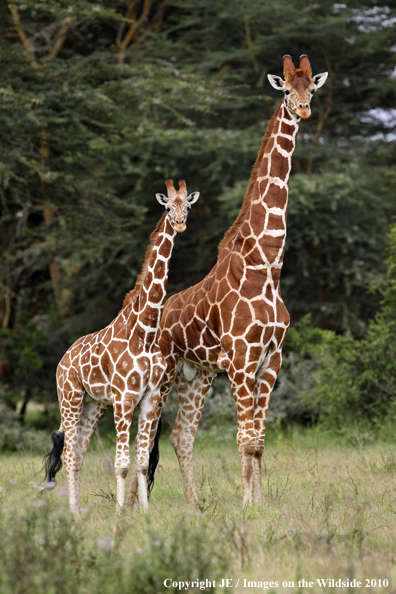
[[120, 365], [235, 319]]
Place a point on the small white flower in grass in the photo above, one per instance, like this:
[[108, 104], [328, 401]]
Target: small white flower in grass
[[37, 503], [50, 485], [104, 543], [63, 492], [1, 488], [84, 510], [139, 551], [12, 482], [42, 541], [157, 543], [214, 560]]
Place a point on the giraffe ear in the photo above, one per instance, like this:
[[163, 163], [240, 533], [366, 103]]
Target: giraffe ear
[[192, 198], [319, 79], [162, 199], [276, 81]]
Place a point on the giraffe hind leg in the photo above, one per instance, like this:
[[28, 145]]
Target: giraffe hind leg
[[91, 413], [192, 397], [71, 410], [262, 392]]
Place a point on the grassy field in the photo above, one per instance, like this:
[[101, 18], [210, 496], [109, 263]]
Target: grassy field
[[328, 512]]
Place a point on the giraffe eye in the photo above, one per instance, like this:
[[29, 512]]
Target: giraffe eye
[[287, 92], [167, 209], [313, 91], [188, 207]]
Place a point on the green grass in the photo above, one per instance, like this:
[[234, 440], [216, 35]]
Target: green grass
[[328, 511]]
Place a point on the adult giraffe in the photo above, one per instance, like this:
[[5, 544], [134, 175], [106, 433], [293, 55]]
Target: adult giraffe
[[235, 319], [120, 365]]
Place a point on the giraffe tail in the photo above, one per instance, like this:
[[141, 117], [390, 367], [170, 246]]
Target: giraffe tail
[[154, 458], [53, 461]]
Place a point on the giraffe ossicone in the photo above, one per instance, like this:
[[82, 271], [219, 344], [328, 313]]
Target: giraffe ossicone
[[235, 319], [120, 365]]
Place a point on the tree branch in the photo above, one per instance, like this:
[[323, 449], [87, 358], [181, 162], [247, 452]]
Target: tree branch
[[250, 45], [22, 36], [132, 30], [159, 15], [131, 4], [60, 40]]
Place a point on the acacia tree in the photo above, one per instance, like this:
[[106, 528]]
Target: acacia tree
[[103, 101], [84, 145]]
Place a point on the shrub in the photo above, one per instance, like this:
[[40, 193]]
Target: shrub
[[15, 436], [191, 551]]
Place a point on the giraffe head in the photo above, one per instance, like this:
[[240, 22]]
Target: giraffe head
[[177, 204], [299, 85]]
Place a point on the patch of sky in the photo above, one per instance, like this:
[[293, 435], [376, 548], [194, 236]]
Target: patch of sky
[[367, 19]]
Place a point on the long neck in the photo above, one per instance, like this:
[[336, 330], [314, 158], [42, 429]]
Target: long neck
[[265, 221], [150, 302]]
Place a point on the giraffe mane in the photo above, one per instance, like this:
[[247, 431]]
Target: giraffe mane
[[234, 229], [135, 292]]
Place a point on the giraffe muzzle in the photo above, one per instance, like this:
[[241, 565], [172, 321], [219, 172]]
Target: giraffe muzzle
[[303, 111], [180, 227]]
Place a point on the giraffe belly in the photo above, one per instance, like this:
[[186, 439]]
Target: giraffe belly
[[98, 392], [201, 351], [250, 347]]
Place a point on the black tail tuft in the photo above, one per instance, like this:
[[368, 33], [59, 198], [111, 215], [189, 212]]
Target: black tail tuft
[[53, 461], [154, 458]]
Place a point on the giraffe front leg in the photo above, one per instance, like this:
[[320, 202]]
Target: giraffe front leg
[[123, 413], [163, 392], [139, 441], [147, 414], [192, 395], [148, 408], [242, 385], [142, 448], [262, 392]]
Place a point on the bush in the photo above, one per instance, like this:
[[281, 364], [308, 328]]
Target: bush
[[14, 436], [44, 550], [192, 551], [40, 551]]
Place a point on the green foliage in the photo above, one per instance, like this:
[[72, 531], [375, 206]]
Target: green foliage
[[158, 560], [335, 244], [91, 125], [15, 436], [44, 550], [349, 380], [40, 551]]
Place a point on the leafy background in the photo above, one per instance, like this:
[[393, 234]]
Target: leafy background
[[100, 102]]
